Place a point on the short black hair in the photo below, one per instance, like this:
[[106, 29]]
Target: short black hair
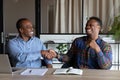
[[97, 19], [19, 23]]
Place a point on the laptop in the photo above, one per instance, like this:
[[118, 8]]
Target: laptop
[[5, 66]]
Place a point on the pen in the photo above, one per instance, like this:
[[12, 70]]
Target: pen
[[70, 68], [30, 71]]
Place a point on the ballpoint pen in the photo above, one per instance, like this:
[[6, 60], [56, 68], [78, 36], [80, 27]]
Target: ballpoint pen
[[30, 71]]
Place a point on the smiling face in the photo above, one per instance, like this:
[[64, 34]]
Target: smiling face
[[26, 29], [92, 27]]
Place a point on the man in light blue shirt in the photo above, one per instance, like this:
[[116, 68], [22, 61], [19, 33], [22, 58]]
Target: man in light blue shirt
[[25, 50]]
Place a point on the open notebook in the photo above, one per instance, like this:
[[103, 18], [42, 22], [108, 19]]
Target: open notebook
[[70, 71], [5, 66]]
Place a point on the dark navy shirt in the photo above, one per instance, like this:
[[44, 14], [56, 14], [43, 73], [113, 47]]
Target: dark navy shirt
[[82, 56]]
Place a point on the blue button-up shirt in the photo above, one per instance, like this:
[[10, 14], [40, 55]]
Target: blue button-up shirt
[[82, 56], [26, 53]]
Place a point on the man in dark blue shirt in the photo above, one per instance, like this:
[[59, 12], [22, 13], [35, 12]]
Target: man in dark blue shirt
[[89, 51]]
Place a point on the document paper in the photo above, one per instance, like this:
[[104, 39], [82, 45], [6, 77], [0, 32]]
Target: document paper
[[40, 72]]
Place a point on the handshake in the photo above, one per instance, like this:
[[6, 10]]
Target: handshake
[[49, 54]]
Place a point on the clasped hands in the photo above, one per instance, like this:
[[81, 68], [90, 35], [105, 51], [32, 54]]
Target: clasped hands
[[49, 54]]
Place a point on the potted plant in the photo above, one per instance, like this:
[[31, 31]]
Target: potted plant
[[115, 28], [62, 48]]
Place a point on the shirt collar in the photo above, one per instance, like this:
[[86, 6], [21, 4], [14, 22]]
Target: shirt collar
[[98, 39], [18, 37]]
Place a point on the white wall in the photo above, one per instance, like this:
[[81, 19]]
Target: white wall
[[15, 9]]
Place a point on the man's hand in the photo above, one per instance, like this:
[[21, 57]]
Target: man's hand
[[94, 45], [49, 54], [65, 58]]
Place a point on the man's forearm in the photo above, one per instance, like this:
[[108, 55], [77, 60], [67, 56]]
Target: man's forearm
[[63, 58], [104, 62]]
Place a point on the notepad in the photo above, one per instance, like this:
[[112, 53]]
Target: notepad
[[40, 72], [70, 71]]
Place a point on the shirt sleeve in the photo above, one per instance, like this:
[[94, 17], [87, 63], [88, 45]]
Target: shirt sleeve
[[47, 61], [105, 57]]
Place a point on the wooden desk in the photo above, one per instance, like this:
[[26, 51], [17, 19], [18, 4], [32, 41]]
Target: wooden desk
[[87, 75]]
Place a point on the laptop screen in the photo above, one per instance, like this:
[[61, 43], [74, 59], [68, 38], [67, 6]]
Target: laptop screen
[[5, 66]]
